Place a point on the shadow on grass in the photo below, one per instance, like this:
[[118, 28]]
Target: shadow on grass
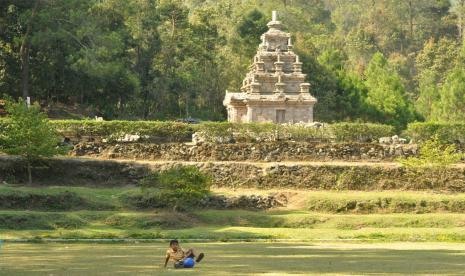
[[227, 259]]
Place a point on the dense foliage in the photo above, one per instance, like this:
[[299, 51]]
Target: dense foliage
[[445, 132], [389, 61], [29, 134], [433, 154], [115, 130], [337, 132], [180, 187], [218, 132]]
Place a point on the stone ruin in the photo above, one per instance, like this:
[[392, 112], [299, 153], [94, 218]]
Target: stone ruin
[[274, 90]]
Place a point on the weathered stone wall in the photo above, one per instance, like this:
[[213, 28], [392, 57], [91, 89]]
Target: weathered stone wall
[[70, 172], [273, 151], [243, 175]]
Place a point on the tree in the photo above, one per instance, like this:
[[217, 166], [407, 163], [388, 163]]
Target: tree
[[252, 26], [150, 59], [438, 57], [459, 10], [451, 106], [29, 135], [428, 94], [386, 92]]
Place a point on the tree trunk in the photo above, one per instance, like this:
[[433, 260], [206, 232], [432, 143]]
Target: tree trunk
[[24, 53], [410, 9], [25, 70], [29, 173], [460, 24]]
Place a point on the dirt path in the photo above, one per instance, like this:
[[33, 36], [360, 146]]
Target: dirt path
[[260, 164]]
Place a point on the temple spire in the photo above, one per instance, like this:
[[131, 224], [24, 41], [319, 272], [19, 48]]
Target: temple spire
[[274, 89]]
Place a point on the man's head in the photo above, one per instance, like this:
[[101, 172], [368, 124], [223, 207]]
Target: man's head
[[174, 244]]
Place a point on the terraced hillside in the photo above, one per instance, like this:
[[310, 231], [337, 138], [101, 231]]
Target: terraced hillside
[[377, 200]]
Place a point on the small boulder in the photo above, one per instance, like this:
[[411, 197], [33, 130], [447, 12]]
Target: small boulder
[[385, 140]]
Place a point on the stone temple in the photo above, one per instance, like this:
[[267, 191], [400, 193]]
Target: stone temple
[[274, 90]]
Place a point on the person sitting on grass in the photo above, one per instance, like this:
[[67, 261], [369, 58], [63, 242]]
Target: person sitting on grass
[[181, 258]]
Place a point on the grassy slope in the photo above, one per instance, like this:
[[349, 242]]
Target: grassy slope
[[396, 216], [319, 201], [234, 259]]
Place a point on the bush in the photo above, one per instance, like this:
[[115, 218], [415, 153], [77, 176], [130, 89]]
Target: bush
[[179, 187], [433, 154], [3, 125], [446, 132], [360, 132], [114, 130], [260, 132], [219, 132], [146, 199]]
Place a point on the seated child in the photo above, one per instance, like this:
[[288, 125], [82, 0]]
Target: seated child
[[181, 258]]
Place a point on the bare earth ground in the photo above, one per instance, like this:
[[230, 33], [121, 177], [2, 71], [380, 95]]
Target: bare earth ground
[[236, 259]]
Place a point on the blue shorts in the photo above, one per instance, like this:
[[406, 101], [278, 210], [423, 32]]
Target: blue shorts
[[186, 263]]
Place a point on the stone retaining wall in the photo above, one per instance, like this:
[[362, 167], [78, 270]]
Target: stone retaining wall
[[243, 175], [268, 152], [72, 172]]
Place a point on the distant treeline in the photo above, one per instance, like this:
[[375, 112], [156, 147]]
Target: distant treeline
[[389, 61]]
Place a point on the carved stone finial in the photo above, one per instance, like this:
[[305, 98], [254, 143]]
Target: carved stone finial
[[274, 16]]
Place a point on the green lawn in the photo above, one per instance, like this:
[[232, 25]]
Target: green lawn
[[222, 225], [235, 259], [229, 225]]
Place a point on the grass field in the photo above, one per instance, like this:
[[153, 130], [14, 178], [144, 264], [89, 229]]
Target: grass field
[[233, 224], [235, 259], [96, 213], [93, 198], [341, 232]]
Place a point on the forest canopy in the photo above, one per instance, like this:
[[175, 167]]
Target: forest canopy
[[390, 61]]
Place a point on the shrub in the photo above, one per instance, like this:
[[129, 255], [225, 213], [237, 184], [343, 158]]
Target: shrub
[[219, 132], [216, 132], [114, 130], [446, 132], [146, 199], [180, 187], [433, 154], [306, 134], [3, 125], [360, 132], [260, 132]]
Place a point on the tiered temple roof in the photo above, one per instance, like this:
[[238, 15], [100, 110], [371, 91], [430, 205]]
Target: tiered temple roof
[[276, 73]]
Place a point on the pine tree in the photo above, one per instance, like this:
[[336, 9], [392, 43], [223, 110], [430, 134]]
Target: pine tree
[[451, 106], [428, 94], [386, 92]]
